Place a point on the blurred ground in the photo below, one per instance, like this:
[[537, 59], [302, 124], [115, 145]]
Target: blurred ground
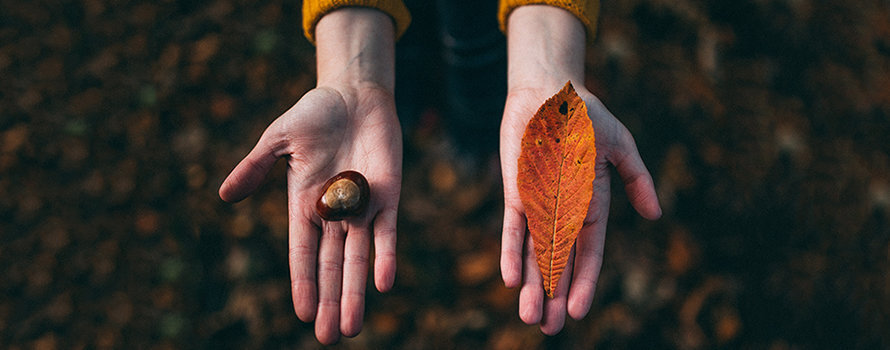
[[764, 123]]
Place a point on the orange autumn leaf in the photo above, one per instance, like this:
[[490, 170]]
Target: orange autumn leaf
[[556, 172]]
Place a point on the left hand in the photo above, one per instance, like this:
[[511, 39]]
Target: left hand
[[551, 52]]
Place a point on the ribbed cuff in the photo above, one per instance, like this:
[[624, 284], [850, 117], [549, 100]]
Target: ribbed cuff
[[314, 10], [586, 10]]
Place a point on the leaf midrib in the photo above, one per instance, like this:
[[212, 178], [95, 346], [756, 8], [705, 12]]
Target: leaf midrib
[[556, 203]]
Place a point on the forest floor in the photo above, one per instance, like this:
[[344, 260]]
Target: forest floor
[[765, 125]]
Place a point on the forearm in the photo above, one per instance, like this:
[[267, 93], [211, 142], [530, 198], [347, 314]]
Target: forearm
[[545, 48], [355, 48]]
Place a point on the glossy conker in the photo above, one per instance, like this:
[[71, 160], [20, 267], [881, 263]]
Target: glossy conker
[[345, 195]]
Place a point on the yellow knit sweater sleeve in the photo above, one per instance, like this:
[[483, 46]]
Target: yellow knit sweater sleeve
[[313, 10], [586, 11]]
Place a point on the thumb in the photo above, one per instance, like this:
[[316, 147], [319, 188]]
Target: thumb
[[637, 181], [249, 174]]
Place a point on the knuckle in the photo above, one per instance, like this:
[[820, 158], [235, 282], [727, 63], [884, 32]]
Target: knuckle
[[330, 267], [356, 259]]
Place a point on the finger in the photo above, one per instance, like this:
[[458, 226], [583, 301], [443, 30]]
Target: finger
[[531, 295], [385, 249], [250, 173], [554, 313], [330, 279], [589, 250], [355, 276], [637, 181], [302, 253], [511, 246]]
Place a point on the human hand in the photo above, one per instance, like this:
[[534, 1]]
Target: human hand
[[347, 123], [539, 66]]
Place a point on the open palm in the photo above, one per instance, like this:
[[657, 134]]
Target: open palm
[[328, 131], [615, 147]]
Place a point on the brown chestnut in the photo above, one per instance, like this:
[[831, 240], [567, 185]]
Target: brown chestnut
[[344, 195]]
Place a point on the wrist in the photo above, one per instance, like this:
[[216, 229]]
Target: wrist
[[355, 49], [545, 47]]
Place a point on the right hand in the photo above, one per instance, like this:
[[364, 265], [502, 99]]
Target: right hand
[[348, 122], [326, 132]]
